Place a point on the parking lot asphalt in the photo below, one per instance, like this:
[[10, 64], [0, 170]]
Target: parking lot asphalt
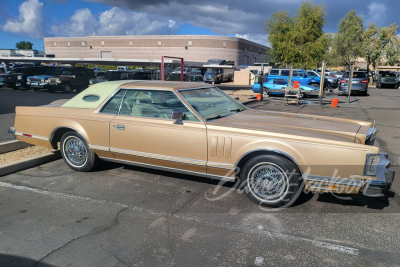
[[120, 215]]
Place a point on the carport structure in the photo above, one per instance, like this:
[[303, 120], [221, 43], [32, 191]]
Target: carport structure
[[119, 62]]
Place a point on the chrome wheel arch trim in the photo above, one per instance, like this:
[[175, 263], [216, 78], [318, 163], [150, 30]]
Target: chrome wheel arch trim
[[270, 150], [68, 127]]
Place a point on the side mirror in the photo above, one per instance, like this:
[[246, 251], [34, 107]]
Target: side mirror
[[177, 116]]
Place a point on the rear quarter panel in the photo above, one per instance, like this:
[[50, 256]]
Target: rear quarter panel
[[42, 121]]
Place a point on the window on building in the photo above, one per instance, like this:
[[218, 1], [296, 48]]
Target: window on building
[[130, 42], [102, 42], [68, 43], [83, 43], [189, 42], [55, 43], [159, 42], [224, 44], [29, 55]]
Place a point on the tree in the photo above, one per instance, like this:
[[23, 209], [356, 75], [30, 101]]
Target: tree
[[24, 45], [381, 43], [348, 40], [298, 40]]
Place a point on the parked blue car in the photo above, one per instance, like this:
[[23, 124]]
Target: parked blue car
[[274, 87], [297, 75]]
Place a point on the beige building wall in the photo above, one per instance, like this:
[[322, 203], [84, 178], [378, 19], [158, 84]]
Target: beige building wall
[[190, 47]]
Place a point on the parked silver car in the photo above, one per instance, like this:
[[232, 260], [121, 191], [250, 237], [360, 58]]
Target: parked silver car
[[359, 84]]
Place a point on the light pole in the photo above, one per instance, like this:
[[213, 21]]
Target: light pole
[[321, 84], [350, 81]]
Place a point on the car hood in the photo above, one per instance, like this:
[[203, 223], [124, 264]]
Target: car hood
[[291, 125]]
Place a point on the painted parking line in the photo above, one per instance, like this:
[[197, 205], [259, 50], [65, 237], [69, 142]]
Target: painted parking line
[[223, 226]]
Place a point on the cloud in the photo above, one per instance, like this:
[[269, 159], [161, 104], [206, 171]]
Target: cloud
[[115, 21], [376, 11], [257, 38], [248, 17], [29, 21]]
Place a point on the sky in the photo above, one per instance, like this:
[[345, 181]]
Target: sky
[[32, 20]]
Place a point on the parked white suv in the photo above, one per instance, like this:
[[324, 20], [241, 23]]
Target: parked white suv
[[125, 68]]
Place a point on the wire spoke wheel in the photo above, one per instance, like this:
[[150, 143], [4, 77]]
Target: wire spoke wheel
[[76, 152], [268, 182]]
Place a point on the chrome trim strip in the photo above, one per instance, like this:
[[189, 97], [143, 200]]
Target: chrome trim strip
[[332, 180], [102, 148], [270, 150], [34, 136], [159, 157], [212, 176], [220, 165]]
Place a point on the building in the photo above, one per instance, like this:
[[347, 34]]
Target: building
[[195, 48], [21, 53]]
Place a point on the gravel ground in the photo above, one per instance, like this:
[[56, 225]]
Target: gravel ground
[[23, 154]]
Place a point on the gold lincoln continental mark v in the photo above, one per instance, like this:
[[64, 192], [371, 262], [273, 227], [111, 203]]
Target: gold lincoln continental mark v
[[199, 130]]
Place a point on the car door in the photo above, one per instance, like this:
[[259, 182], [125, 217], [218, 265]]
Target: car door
[[143, 132]]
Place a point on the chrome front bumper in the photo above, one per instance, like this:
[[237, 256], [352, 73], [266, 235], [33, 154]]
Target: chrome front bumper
[[374, 188]]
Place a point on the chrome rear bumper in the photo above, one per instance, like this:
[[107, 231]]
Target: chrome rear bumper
[[11, 130]]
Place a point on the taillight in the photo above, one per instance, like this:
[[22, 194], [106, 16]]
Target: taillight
[[335, 76], [27, 135], [364, 81], [343, 81]]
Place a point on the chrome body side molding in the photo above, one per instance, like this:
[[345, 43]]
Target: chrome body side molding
[[159, 157], [332, 180], [224, 178]]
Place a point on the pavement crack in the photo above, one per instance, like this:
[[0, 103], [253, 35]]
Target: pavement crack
[[115, 256], [114, 223], [188, 202]]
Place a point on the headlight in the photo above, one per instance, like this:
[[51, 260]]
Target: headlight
[[28, 80], [42, 81], [370, 164], [19, 77], [58, 81], [46, 81]]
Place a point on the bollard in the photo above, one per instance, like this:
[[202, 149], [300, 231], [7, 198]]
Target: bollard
[[335, 103]]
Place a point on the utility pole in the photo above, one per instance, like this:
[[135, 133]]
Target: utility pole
[[350, 81], [290, 75], [321, 84]]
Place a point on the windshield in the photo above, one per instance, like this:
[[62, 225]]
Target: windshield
[[67, 72], [52, 72], [211, 103]]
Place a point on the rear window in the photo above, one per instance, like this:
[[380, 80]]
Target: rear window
[[356, 75], [388, 74], [273, 72]]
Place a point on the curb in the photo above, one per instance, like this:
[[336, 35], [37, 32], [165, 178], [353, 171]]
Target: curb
[[12, 145], [29, 163]]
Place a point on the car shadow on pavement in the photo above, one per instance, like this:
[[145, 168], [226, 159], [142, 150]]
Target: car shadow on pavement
[[111, 165], [375, 203], [10, 260]]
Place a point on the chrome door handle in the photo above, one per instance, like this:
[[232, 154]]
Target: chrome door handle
[[121, 127]]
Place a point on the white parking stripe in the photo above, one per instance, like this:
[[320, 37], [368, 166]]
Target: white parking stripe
[[225, 226]]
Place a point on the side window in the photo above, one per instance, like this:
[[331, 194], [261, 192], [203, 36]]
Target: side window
[[112, 106], [297, 73], [154, 104], [273, 72], [285, 73], [280, 81]]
